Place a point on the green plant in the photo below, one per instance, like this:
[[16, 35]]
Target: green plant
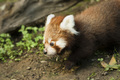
[[112, 78], [100, 59], [116, 53], [30, 37], [6, 47], [92, 75], [112, 64]]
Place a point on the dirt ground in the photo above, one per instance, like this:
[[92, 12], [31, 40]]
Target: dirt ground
[[39, 67]]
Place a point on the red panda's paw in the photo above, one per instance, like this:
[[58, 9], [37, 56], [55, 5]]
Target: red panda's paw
[[69, 65]]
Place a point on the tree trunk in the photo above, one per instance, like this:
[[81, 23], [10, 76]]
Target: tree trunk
[[22, 12]]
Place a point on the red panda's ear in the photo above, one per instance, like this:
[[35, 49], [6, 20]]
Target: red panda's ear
[[49, 17], [68, 23]]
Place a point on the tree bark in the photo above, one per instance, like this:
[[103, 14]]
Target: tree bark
[[22, 12]]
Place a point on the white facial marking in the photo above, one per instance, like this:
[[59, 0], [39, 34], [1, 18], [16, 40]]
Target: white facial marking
[[51, 51], [49, 40], [61, 43], [68, 24], [44, 41], [49, 18]]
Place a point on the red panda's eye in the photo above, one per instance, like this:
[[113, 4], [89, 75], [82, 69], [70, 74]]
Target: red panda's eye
[[51, 44]]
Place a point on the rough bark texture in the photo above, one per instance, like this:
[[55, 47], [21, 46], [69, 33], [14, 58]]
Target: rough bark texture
[[23, 12]]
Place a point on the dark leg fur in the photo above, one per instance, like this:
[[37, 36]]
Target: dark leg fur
[[86, 49]]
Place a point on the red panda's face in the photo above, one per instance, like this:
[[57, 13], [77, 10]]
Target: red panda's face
[[53, 47], [58, 33]]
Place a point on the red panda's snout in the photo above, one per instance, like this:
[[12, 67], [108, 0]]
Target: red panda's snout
[[49, 49]]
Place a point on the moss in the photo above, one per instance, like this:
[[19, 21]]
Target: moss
[[75, 9], [8, 0]]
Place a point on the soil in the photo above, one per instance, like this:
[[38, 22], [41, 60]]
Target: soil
[[40, 67], [34, 66]]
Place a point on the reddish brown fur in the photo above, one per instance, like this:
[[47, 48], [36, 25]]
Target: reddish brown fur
[[54, 31], [98, 25], [57, 20]]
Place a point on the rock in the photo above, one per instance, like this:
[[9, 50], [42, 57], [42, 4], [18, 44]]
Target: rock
[[77, 78], [29, 68], [33, 74], [43, 62], [43, 72], [104, 73], [38, 77], [13, 79], [97, 78], [23, 12]]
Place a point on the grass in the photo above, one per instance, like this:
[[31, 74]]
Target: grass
[[31, 38]]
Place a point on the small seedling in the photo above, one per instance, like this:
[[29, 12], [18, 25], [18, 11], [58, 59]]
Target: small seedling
[[112, 64], [112, 78], [6, 47], [31, 39], [92, 75], [100, 59]]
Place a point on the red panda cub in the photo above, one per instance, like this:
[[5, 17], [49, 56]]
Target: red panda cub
[[84, 33]]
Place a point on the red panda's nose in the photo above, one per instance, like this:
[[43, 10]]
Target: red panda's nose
[[45, 52]]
